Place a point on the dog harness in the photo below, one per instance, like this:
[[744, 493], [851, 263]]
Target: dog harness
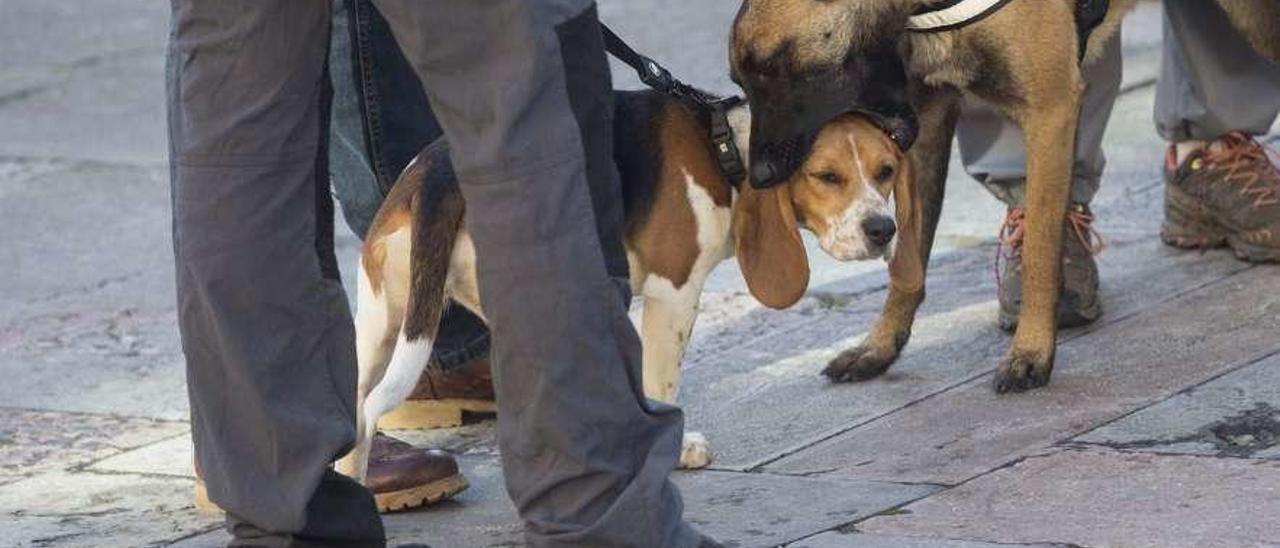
[[945, 15], [723, 145]]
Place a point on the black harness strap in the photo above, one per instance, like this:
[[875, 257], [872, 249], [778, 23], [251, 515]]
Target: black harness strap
[[723, 145]]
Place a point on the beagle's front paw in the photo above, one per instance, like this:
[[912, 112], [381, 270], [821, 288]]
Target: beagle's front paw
[[1023, 370], [861, 363], [695, 453]]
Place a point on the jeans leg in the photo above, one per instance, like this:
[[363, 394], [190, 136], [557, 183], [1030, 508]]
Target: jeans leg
[[993, 148], [264, 322], [1211, 81], [522, 89]]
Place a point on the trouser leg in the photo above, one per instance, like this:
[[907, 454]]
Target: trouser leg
[[381, 120], [522, 90], [1211, 80], [993, 148], [264, 322]]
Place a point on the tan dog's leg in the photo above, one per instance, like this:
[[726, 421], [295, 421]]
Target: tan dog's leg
[[919, 203], [669, 313], [1051, 127]]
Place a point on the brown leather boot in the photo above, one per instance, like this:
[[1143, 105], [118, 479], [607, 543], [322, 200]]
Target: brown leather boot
[[442, 396], [400, 475]]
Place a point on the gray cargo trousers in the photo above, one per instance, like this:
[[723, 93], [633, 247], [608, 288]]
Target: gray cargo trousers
[[522, 90], [1211, 82], [1211, 79]]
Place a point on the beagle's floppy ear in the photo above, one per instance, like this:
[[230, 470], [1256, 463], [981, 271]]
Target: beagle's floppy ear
[[906, 267], [769, 247]]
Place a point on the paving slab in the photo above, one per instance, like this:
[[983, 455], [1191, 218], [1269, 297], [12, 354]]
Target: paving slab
[[83, 84], [66, 244], [98, 510], [43, 42], [1099, 377], [36, 442], [837, 539], [112, 360], [740, 510], [171, 457], [744, 399], [1236, 415], [1105, 499]]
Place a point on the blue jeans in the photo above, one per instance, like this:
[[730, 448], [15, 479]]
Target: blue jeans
[[380, 120]]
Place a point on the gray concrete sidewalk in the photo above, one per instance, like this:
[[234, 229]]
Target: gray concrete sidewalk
[[1161, 427]]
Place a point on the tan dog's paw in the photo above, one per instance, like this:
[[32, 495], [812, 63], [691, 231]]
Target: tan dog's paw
[[1022, 370], [861, 363], [695, 453]]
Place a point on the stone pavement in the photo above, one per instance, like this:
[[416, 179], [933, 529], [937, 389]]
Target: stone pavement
[[1161, 427]]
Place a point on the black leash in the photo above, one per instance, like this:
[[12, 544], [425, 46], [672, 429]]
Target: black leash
[[658, 78]]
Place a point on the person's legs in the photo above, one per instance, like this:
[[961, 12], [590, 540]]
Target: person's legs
[[1211, 81], [264, 322], [522, 89], [993, 151], [1215, 95]]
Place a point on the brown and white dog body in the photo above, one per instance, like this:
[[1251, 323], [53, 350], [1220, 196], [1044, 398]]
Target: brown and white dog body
[[682, 219]]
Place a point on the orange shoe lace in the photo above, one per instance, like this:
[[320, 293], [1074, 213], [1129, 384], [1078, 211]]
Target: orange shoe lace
[[1246, 161], [1014, 229]]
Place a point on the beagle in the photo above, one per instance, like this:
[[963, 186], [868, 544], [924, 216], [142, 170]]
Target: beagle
[[682, 219]]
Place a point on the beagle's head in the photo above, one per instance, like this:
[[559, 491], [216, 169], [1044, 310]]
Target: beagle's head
[[843, 190], [850, 192]]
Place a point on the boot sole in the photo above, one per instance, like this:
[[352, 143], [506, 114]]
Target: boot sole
[[423, 495], [432, 414], [394, 501], [1067, 318], [1253, 253], [1188, 226]]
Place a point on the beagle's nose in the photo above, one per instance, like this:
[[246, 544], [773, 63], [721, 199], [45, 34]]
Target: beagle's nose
[[879, 229]]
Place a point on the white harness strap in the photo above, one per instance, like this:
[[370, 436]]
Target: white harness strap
[[960, 14]]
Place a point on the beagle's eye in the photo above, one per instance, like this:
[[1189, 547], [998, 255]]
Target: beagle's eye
[[828, 177], [885, 173]]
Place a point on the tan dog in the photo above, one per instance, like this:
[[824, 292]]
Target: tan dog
[[682, 219], [809, 58]]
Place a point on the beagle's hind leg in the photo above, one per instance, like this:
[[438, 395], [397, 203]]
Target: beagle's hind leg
[[378, 319], [918, 198]]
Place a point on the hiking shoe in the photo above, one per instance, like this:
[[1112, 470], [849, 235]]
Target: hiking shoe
[[1078, 301], [1227, 193]]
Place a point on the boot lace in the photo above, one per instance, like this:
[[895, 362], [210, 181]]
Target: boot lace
[[1014, 229], [1248, 162]]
